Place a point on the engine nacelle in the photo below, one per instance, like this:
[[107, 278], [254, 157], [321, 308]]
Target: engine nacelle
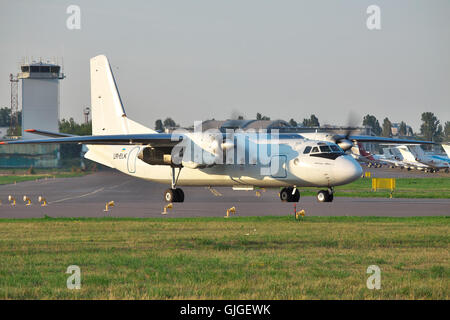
[[345, 144], [155, 156]]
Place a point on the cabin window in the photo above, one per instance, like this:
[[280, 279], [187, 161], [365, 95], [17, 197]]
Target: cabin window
[[315, 149], [307, 150]]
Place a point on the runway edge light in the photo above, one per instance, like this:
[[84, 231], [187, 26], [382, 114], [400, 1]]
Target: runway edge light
[[169, 206], [108, 205], [231, 210]]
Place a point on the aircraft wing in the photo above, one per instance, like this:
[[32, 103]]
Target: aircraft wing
[[387, 140], [49, 134], [152, 139]]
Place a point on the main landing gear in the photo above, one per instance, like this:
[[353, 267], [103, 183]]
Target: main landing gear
[[325, 195], [289, 194], [174, 194]]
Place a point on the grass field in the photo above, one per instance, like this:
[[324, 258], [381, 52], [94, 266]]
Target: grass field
[[236, 258], [405, 188], [9, 179]]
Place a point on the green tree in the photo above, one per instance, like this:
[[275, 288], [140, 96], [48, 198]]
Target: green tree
[[5, 117], [372, 122], [170, 123], [16, 132], [402, 130], [159, 125], [293, 123], [259, 116], [313, 121], [73, 151], [430, 128], [387, 128], [447, 131]]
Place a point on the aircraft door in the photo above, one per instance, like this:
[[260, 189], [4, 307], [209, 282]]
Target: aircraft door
[[132, 156], [278, 166]]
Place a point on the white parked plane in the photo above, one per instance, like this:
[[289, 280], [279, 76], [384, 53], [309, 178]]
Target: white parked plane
[[123, 144], [434, 162]]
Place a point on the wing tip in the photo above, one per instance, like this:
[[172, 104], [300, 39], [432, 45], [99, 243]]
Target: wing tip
[[30, 130]]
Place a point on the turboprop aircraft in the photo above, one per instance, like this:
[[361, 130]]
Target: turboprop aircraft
[[237, 159]]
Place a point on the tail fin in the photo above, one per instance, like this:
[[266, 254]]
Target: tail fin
[[446, 149], [364, 152], [108, 114], [406, 154]]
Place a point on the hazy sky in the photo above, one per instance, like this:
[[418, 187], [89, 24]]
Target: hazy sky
[[200, 59]]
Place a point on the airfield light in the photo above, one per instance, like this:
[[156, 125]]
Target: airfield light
[[231, 210], [109, 205], [12, 200], [42, 201], [169, 206], [27, 200]]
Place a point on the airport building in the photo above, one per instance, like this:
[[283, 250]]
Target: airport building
[[39, 96]]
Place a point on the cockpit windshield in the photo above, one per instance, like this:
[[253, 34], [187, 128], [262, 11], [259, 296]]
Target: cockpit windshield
[[325, 149], [330, 151]]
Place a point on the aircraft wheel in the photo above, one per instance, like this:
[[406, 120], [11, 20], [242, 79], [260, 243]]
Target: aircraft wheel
[[169, 195], [174, 195], [296, 196], [287, 196], [324, 196], [180, 195]]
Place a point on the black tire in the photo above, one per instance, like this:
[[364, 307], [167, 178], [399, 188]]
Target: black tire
[[295, 196], [179, 195], [330, 197], [285, 195]]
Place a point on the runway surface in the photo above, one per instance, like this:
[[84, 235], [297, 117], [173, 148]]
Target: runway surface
[[86, 197]]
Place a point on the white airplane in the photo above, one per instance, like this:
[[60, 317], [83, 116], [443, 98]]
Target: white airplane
[[393, 160], [231, 159], [410, 160], [436, 163]]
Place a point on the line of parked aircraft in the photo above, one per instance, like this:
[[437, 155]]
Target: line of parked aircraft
[[405, 157]]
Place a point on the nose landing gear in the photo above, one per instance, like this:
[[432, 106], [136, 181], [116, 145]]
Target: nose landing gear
[[174, 194], [325, 195], [289, 194]]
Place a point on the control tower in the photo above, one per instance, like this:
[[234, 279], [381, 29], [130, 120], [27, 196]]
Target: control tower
[[40, 97]]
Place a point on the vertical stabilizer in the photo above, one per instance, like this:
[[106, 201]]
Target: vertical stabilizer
[[446, 149], [108, 113]]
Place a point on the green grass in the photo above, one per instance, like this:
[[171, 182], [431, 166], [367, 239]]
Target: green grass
[[9, 179], [216, 258], [405, 188]]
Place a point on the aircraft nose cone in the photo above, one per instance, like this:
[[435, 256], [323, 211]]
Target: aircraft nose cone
[[347, 170]]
